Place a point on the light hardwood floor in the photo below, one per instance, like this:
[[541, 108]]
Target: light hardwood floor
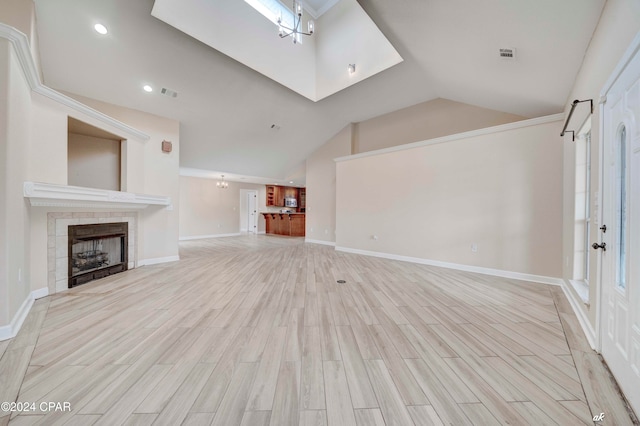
[[255, 330]]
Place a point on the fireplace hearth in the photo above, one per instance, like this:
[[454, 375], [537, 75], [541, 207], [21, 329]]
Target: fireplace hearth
[[97, 251]]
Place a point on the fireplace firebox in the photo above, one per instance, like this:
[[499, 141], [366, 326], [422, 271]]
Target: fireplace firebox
[[96, 251]]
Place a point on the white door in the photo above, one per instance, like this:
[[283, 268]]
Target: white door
[[620, 280], [252, 213]]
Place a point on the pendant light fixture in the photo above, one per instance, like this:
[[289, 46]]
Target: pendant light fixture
[[222, 184], [296, 31]]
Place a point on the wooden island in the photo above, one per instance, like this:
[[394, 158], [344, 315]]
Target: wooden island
[[291, 224]]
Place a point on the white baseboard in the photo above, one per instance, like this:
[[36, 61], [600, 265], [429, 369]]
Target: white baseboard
[[326, 243], [157, 260], [202, 237], [581, 314], [575, 303], [40, 293], [10, 331], [262, 232], [467, 268]]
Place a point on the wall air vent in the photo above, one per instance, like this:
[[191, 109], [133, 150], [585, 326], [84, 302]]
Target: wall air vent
[[508, 53], [168, 92]]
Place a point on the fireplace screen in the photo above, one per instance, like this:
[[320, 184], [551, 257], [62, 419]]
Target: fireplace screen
[[96, 251], [95, 254]]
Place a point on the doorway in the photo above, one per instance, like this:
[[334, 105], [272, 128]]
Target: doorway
[[619, 244], [252, 212]]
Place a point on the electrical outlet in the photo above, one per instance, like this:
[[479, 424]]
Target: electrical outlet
[[474, 247], [19, 275], [326, 232]]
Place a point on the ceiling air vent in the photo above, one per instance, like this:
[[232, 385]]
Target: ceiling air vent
[[168, 92], [508, 53]]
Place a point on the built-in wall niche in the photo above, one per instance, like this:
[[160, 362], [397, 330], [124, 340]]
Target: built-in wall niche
[[94, 158]]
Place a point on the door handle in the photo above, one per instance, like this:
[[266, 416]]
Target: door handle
[[597, 246]]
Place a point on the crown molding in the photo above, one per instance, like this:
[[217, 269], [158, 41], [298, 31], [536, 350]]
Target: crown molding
[[458, 136], [51, 195], [20, 45]]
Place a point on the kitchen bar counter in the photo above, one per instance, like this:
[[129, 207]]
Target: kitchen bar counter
[[291, 224]]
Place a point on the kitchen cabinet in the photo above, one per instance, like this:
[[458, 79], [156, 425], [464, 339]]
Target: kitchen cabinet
[[302, 200], [276, 195], [290, 224], [271, 193], [290, 192]]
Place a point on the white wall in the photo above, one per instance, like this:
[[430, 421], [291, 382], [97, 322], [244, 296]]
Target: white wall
[[206, 210], [48, 147], [426, 120], [148, 170], [347, 35], [34, 146], [93, 162], [5, 309], [501, 191], [157, 236], [254, 41], [618, 25], [14, 214], [320, 209], [439, 117], [20, 14]]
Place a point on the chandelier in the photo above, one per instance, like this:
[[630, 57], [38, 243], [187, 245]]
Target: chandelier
[[294, 32], [223, 184]]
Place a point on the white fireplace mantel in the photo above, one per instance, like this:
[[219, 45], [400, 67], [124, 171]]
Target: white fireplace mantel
[[51, 195]]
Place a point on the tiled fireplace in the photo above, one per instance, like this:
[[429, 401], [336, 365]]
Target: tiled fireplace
[[58, 242], [99, 206], [97, 250]]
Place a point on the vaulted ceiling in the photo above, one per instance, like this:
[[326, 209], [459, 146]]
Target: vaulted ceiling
[[226, 109], [315, 67]]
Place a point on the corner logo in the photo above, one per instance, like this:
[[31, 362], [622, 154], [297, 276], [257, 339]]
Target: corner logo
[[598, 417]]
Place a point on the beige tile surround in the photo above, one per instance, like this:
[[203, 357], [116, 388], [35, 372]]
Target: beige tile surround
[[57, 244]]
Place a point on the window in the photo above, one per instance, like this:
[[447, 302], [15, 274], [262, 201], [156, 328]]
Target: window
[[272, 10], [582, 204], [621, 209]]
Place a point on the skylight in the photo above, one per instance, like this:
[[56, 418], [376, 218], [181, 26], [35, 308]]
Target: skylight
[[316, 69], [272, 9]]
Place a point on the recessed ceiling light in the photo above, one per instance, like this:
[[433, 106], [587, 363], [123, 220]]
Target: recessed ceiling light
[[352, 68], [100, 29], [147, 88], [290, 181]]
